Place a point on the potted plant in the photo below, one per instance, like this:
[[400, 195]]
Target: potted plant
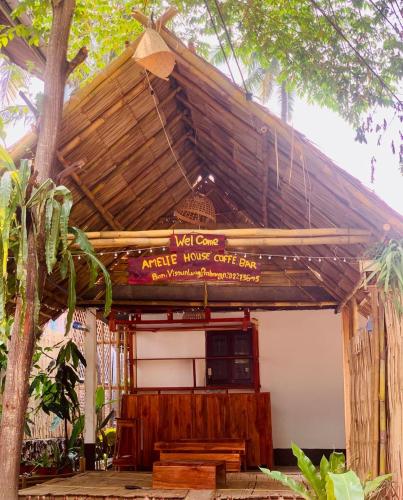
[[332, 481]]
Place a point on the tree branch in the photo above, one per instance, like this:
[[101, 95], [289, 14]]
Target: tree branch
[[79, 58]]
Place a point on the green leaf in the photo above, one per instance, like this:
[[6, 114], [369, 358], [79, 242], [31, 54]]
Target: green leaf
[[108, 282], [347, 486], [294, 485], [76, 431], [309, 471], [99, 398], [329, 488], [52, 233], [39, 194], [71, 300], [374, 484], [106, 419], [64, 218], [337, 462], [5, 159]]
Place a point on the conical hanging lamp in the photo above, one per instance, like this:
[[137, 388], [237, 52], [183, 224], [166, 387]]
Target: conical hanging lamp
[[153, 54]]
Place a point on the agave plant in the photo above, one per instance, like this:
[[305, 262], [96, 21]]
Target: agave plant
[[332, 481], [45, 207]]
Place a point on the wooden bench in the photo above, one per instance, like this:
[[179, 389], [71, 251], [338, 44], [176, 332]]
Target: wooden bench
[[229, 450], [195, 475]]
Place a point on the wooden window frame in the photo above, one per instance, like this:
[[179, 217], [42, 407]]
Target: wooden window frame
[[254, 357]]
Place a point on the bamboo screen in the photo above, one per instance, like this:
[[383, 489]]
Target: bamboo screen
[[374, 391], [394, 332], [363, 433]]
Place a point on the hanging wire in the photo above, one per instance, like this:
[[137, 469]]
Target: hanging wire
[[340, 32], [152, 92], [219, 40], [248, 94]]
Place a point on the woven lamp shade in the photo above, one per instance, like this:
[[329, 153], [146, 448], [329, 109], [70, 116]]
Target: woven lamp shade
[[197, 209], [153, 54]]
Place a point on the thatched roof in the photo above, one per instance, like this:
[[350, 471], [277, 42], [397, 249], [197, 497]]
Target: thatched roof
[[258, 171], [18, 50]]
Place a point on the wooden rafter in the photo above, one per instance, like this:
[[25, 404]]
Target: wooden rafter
[[104, 213]]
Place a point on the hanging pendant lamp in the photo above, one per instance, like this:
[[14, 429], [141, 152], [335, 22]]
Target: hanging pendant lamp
[[153, 54]]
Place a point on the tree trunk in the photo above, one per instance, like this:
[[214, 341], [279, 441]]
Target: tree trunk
[[284, 103], [22, 344]]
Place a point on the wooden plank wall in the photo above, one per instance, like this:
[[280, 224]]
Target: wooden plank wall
[[166, 417]]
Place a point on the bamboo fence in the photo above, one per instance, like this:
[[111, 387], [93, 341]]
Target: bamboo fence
[[373, 368]]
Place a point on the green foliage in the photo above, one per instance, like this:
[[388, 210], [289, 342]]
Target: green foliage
[[388, 262], [309, 471], [46, 207], [374, 485], [104, 441], [331, 482], [313, 58], [54, 390], [346, 486], [296, 486]]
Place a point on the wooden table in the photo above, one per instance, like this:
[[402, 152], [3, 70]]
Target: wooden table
[[229, 450], [181, 474]]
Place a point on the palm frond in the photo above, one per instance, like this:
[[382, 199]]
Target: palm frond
[[12, 80]]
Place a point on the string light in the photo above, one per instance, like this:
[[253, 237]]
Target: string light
[[295, 258]]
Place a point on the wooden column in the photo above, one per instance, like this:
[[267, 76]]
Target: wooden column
[[90, 383], [375, 376], [347, 334]]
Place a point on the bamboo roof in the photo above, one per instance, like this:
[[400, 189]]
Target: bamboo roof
[[258, 171]]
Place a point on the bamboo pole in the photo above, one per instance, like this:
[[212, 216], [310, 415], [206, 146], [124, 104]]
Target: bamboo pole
[[122, 242], [375, 372], [382, 389], [237, 232], [346, 331], [200, 303]]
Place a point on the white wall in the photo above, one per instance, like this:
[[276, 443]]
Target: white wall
[[181, 344], [300, 365]]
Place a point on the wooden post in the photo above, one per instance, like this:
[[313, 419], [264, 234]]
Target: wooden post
[[118, 374], [375, 376], [90, 384], [347, 334], [382, 389]]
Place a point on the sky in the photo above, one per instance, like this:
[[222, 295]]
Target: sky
[[335, 138]]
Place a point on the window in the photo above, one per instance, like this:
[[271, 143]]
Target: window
[[230, 358]]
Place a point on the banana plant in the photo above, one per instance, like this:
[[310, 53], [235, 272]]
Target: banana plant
[[332, 481], [45, 208]]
